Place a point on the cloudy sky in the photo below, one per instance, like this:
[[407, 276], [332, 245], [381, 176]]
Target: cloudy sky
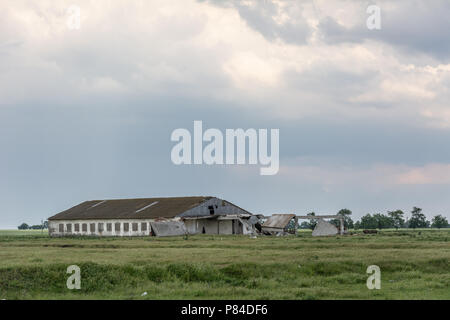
[[364, 115]]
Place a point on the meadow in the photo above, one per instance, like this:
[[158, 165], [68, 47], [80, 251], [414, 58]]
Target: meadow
[[415, 264]]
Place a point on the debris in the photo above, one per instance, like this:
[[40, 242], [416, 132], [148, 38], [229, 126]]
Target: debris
[[324, 228], [168, 228], [144, 294], [277, 224]]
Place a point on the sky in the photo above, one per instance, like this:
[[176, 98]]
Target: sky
[[87, 110]]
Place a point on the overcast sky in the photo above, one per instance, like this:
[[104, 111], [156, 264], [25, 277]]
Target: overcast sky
[[364, 115]]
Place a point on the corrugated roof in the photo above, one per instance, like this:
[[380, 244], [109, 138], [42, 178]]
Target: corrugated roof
[[130, 208], [278, 221]]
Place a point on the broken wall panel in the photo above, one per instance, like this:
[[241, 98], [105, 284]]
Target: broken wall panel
[[168, 228], [324, 228]]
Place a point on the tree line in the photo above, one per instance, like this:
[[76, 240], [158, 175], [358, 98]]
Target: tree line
[[25, 226], [391, 220]]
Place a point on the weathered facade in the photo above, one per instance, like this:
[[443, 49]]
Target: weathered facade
[[152, 216]]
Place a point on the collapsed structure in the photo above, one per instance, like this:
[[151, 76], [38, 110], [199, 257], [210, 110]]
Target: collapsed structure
[[175, 216], [153, 217], [280, 224]]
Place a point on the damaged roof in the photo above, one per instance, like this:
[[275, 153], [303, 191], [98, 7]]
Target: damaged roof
[[145, 208], [278, 221]]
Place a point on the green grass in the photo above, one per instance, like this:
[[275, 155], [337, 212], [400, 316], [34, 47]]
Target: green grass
[[415, 264]]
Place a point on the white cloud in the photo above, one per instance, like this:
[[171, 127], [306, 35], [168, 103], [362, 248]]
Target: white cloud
[[178, 47]]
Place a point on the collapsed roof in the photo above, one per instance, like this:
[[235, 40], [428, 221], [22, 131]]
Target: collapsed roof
[[277, 221]]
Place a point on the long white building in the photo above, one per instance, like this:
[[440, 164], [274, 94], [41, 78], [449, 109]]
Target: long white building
[[153, 217]]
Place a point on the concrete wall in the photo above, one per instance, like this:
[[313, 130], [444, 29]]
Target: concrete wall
[[324, 228], [69, 228], [214, 226], [226, 226], [191, 226]]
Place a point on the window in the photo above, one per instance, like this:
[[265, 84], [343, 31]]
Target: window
[[109, 227], [144, 226], [126, 227], [84, 227], [101, 227], [135, 226], [61, 228], [211, 209], [117, 226], [92, 227], [69, 227], [76, 226]]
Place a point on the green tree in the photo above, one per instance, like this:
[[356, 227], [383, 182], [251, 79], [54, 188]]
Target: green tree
[[304, 225], [312, 222], [348, 222], [23, 226], [368, 222], [397, 217], [383, 221], [418, 219], [439, 222]]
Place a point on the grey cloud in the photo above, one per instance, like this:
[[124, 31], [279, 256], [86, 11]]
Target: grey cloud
[[420, 26], [416, 27], [260, 16]]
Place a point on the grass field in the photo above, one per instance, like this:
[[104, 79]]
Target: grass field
[[414, 265]]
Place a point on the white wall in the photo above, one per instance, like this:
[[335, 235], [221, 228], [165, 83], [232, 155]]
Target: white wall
[[214, 226], [54, 227]]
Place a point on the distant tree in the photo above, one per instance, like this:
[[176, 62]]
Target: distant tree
[[418, 219], [45, 225], [357, 225], [397, 217], [23, 226], [368, 222], [304, 225], [345, 212], [348, 222], [439, 222], [36, 227], [312, 222], [383, 221]]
